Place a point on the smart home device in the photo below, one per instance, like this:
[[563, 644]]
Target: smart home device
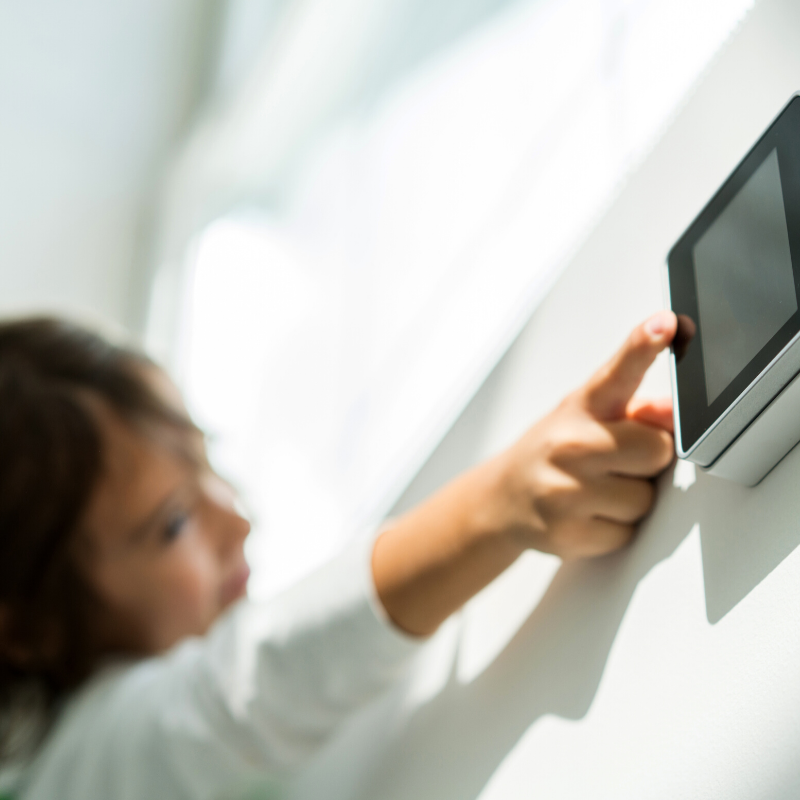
[[734, 282]]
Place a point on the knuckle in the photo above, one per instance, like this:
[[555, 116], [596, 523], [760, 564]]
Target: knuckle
[[636, 500], [579, 440], [612, 537], [623, 535], [667, 448], [558, 496], [571, 539], [642, 498], [630, 500], [659, 449], [591, 537]]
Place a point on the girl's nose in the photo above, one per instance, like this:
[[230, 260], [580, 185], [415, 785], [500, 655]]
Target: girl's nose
[[229, 524]]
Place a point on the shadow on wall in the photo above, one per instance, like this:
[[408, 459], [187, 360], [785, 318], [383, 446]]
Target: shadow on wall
[[542, 671], [449, 747], [745, 533]]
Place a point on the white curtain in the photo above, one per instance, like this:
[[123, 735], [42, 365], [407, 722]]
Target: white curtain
[[354, 240]]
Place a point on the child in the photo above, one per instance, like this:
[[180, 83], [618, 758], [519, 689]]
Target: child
[[123, 577]]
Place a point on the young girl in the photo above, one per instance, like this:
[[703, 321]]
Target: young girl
[[123, 578]]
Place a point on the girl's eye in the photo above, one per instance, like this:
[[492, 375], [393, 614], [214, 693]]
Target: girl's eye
[[175, 526]]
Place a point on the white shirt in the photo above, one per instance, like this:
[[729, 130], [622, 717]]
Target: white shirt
[[255, 697]]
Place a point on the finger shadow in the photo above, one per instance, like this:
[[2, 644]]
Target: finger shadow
[[449, 747], [745, 533]]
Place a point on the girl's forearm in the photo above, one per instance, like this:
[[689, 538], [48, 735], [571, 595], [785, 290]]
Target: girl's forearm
[[441, 553], [574, 484]]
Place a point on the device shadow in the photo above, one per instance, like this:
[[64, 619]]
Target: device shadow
[[745, 533], [449, 748]]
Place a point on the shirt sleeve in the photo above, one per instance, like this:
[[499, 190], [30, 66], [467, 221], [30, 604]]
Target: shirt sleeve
[[279, 677], [255, 697]]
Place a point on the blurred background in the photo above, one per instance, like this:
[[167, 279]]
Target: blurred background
[[327, 219]]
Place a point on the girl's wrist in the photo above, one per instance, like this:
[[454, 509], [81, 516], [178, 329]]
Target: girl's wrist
[[492, 518]]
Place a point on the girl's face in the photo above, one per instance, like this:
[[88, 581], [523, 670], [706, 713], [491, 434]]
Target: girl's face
[[163, 544]]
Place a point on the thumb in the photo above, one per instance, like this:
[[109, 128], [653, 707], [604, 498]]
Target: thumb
[[657, 413], [608, 391]]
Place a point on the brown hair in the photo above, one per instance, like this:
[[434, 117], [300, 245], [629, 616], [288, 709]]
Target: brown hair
[[50, 460]]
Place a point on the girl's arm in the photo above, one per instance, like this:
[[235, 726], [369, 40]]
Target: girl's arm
[[574, 485]]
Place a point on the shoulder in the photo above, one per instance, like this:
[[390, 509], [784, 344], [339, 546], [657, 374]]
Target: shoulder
[[107, 729], [262, 691]]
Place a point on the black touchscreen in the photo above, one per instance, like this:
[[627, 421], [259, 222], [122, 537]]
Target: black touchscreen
[[734, 277], [745, 283]]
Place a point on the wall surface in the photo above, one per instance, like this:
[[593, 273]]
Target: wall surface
[[92, 98], [667, 670]]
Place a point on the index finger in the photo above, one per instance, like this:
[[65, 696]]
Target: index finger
[[607, 393]]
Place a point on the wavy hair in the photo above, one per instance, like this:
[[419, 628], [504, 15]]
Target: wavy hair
[[51, 456]]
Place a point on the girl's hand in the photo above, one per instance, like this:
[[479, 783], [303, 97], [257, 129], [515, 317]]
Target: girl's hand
[[577, 482], [575, 485]]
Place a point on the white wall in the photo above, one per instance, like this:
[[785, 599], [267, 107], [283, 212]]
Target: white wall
[[376, 275], [92, 97], [667, 670]]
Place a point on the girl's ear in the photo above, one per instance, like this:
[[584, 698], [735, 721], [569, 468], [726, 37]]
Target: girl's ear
[[9, 652], [12, 650]]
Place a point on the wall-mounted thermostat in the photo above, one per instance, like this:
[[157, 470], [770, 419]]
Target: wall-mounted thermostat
[[734, 282]]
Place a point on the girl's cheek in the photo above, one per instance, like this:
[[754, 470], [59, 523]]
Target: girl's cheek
[[192, 585]]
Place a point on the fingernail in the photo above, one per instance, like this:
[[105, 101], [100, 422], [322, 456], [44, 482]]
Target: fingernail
[[657, 324]]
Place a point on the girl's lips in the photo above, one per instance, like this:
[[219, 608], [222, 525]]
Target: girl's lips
[[235, 586]]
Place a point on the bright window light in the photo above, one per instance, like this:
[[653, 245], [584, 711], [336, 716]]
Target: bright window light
[[328, 346]]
